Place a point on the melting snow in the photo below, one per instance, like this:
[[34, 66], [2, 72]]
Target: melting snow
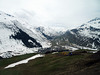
[[24, 61]]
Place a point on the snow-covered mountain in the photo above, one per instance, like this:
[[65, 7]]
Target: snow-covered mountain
[[48, 32], [16, 39], [86, 35]]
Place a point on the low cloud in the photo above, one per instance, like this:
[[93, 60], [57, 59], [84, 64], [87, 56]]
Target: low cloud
[[66, 13]]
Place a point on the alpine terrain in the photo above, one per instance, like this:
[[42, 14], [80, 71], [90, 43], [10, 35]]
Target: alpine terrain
[[86, 35], [16, 39]]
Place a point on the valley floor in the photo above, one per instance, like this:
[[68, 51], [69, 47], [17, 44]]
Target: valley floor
[[79, 63]]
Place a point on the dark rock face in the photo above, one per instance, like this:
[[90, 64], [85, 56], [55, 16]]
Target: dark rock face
[[94, 29], [41, 29], [48, 37], [76, 38], [21, 35], [74, 30]]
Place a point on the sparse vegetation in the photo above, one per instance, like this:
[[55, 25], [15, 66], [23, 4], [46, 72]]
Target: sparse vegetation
[[80, 63]]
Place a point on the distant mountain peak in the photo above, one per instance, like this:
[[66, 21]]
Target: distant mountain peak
[[3, 13], [95, 19], [86, 35]]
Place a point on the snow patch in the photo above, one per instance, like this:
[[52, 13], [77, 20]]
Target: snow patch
[[24, 61]]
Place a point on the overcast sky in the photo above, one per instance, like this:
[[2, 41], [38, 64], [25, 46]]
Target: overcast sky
[[66, 13]]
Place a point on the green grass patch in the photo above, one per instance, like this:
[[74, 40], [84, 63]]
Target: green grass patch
[[55, 64], [5, 62]]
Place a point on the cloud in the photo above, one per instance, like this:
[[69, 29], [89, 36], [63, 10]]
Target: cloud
[[66, 13]]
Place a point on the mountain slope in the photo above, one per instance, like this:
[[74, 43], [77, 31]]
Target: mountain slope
[[87, 35], [15, 39], [48, 32], [45, 30]]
